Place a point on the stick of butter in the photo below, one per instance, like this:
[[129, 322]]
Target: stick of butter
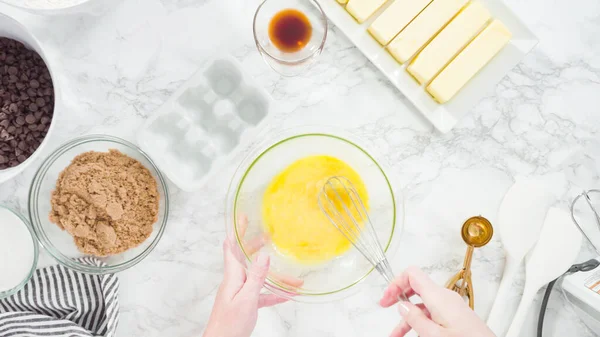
[[342, 1], [361, 10], [422, 29], [395, 18], [449, 42], [466, 64]]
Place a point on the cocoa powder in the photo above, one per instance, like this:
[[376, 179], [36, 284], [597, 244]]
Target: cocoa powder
[[107, 201]]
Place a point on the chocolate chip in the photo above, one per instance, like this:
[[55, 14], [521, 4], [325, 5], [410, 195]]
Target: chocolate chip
[[20, 121], [26, 102], [30, 118], [22, 145]]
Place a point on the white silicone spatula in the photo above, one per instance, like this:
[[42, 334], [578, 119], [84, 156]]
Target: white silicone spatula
[[553, 254], [520, 220]]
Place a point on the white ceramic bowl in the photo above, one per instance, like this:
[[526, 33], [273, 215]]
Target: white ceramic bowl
[[90, 7], [13, 29]]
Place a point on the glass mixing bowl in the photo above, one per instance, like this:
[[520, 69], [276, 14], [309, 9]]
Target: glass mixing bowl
[[333, 279], [58, 242]]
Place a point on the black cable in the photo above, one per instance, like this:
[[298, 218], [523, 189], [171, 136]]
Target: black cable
[[540, 326], [586, 266]]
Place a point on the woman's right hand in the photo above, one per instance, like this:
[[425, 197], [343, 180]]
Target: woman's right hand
[[443, 312]]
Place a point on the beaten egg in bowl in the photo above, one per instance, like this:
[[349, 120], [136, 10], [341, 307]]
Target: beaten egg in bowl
[[291, 214]]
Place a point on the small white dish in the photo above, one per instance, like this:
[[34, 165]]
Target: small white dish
[[442, 116]]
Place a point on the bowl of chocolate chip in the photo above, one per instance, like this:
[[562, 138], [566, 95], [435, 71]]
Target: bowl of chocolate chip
[[27, 98]]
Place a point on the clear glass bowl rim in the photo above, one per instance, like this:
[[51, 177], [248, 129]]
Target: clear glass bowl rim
[[317, 51], [264, 146], [35, 216], [36, 253]]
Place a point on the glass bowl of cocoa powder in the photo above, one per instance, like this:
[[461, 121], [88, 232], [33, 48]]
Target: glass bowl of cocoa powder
[[98, 196]]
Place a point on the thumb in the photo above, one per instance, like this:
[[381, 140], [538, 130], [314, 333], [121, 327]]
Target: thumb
[[418, 320], [257, 275]]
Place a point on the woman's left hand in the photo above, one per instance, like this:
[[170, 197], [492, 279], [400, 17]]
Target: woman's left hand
[[236, 307]]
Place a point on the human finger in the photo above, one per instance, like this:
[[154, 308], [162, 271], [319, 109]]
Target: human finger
[[403, 328], [268, 300], [242, 225], [238, 234], [234, 274], [255, 244], [257, 275], [235, 249], [391, 295], [416, 318], [415, 280], [290, 281]]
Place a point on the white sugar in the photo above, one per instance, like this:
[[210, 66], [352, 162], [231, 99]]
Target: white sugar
[[16, 250]]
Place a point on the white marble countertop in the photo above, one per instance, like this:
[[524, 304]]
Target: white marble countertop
[[117, 67]]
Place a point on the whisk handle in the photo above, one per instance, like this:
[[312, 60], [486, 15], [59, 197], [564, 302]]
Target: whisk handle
[[384, 268]]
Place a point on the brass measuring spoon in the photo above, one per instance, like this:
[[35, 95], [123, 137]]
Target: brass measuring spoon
[[476, 232]]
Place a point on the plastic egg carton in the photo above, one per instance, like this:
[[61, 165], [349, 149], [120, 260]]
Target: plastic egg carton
[[204, 124]]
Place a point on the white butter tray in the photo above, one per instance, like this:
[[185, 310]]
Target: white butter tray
[[442, 116], [205, 123]]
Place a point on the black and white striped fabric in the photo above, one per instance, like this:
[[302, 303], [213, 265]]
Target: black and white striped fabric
[[59, 302]]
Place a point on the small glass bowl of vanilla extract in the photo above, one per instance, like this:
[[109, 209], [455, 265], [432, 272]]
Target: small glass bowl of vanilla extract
[[289, 34]]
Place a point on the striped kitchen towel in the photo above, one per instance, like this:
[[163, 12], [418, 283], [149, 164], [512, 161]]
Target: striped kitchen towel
[[60, 302]]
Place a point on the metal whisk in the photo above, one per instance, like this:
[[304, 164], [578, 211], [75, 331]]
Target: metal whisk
[[584, 203], [344, 208]]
